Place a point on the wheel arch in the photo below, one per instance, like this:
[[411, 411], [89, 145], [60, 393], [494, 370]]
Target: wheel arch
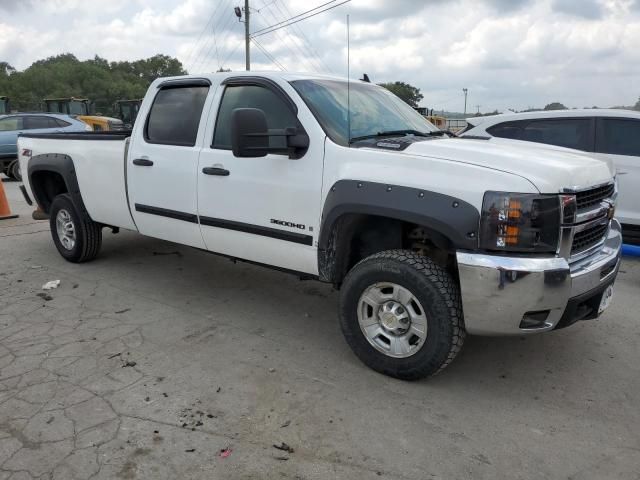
[[353, 207], [51, 174]]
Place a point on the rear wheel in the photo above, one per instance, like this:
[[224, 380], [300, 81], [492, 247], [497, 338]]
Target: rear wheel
[[402, 315], [13, 170], [76, 236]]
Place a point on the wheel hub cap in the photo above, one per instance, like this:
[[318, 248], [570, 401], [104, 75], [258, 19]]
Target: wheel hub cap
[[65, 229], [392, 319]]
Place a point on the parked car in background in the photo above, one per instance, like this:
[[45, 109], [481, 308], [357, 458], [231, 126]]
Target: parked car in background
[[13, 125], [609, 134]]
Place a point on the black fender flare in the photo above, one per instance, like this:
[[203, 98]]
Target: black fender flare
[[62, 165], [450, 219]]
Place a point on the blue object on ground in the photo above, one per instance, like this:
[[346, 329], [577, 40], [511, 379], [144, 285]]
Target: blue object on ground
[[631, 250]]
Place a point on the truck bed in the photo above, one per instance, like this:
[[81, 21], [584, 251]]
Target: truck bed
[[99, 163]]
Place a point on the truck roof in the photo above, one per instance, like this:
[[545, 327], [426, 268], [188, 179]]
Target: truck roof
[[579, 112], [287, 76]]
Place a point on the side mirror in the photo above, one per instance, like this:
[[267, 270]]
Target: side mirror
[[249, 133], [250, 136]]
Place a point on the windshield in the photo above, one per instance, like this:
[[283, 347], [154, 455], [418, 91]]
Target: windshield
[[373, 109], [77, 108]]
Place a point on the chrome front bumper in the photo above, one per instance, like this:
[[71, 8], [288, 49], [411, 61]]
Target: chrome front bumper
[[499, 292]]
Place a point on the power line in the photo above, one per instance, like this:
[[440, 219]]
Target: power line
[[448, 100], [217, 25], [299, 15], [215, 44], [224, 28], [203, 32], [285, 40], [230, 54], [302, 34], [193, 47], [275, 27], [268, 55]]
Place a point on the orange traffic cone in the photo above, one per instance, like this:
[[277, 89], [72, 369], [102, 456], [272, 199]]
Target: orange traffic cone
[[5, 211]]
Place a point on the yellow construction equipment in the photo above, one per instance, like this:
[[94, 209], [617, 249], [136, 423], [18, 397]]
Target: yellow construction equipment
[[80, 107], [127, 111], [438, 120]]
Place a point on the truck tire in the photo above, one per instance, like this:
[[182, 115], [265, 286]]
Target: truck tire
[[13, 170], [76, 236], [401, 314]]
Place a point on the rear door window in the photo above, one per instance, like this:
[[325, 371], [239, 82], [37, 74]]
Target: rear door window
[[38, 123], [618, 136], [563, 132], [512, 130], [175, 116], [9, 124]]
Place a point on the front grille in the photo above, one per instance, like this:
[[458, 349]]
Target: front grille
[[589, 198], [588, 238]]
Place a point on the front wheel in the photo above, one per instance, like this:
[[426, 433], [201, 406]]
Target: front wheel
[[401, 314], [77, 237]]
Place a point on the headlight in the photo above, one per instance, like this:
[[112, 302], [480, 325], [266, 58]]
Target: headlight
[[520, 222]]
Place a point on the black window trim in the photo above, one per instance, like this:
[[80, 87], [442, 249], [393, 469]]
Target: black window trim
[[599, 133], [185, 82], [524, 123], [173, 84], [248, 81]]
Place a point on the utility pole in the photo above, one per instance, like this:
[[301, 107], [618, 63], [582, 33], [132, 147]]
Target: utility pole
[[247, 40], [465, 90], [478, 106]]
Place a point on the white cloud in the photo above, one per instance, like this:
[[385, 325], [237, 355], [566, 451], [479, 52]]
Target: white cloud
[[509, 53]]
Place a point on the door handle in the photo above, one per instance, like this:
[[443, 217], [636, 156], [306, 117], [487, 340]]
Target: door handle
[[215, 171], [143, 162], [621, 172]]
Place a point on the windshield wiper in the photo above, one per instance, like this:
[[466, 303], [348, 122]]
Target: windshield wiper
[[440, 133], [392, 133]]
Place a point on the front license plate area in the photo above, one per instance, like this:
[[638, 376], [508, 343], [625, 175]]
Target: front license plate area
[[607, 296]]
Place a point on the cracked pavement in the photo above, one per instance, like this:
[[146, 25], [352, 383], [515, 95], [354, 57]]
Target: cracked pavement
[[160, 361]]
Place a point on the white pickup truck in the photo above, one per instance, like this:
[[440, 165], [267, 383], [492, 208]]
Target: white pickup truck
[[428, 237]]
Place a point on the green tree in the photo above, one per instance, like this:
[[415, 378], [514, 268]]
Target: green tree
[[407, 93], [555, 106], [6, 69], [97, 79]]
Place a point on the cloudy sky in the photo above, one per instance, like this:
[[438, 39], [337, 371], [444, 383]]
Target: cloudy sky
[[508, 53]]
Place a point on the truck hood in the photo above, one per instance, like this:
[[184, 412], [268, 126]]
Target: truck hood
[[550, 169]]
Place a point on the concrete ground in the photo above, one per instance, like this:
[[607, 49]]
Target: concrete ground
[[158, 361]]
